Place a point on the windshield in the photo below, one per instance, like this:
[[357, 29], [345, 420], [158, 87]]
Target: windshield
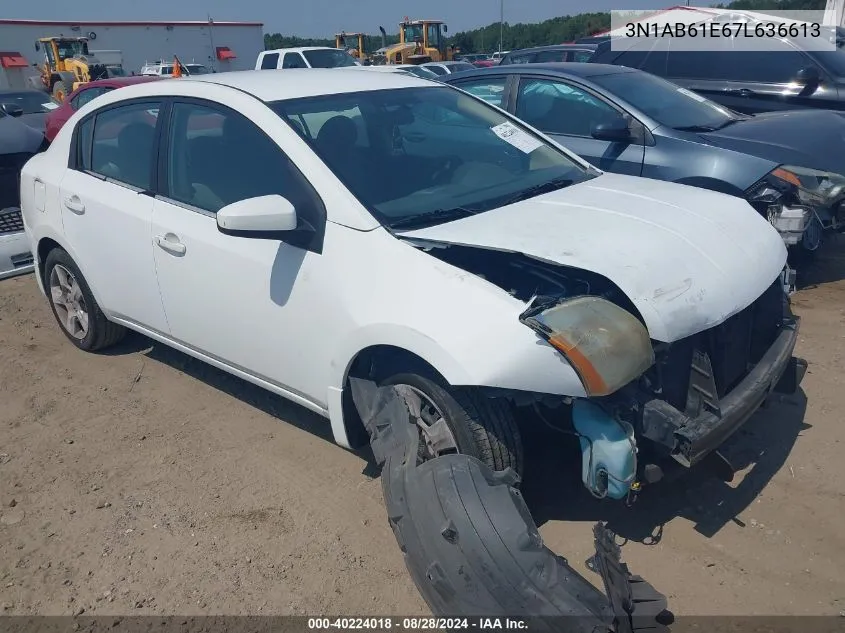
[[413, 32], [460, 66], [197, 69], [116, 71], [665, 102], [329, 58], [30, 101], [833, 61], [71, 48], [413, 156], [425, 73]]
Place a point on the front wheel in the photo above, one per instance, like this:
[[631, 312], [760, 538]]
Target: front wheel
[[462, 420], [74, 305]]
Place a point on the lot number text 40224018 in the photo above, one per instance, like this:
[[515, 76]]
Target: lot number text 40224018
[[418, 623]]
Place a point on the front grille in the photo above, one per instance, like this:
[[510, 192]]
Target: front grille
[[733, 347], [11, 221], [10, 178]]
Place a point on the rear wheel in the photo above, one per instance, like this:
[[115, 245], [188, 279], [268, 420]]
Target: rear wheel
[[74, 306], [462, 420]]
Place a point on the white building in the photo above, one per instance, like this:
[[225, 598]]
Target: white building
[[221, 46]]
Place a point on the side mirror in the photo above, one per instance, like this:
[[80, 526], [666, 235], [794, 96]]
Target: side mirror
[[445, 28], [616, 131], [37, 46], [262, 217], [12, 109], [808, 76]]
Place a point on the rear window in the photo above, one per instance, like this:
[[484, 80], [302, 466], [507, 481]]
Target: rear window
[[30, 101], [329, 58]]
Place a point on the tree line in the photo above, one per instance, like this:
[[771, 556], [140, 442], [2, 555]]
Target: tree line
[[514, 36]]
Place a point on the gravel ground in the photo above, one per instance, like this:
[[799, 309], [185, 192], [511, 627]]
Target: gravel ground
[[141, 481]]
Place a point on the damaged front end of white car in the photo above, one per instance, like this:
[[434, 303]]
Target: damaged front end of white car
[[672, 360]]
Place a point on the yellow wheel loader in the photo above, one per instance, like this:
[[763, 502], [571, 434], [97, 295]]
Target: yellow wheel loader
[[345, 41], [67, 63], [420, 41]]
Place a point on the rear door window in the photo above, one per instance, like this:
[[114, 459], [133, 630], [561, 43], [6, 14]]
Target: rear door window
[[270, 61], [294, 60], [491, 89], [123, 143]]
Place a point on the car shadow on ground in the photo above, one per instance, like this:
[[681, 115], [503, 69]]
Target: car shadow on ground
[[258, 397], [553, 491], [551, 484], [828, 265]]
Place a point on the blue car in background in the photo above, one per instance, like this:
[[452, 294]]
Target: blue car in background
[[789, 165]]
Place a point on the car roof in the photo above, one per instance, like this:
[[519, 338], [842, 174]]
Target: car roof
[[20, 91], [583, 70], [556, 47], [118, 82], [270, 85], [300, 49]]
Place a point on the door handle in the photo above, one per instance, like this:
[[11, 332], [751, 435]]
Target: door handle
[[75, 204], [171, 244]]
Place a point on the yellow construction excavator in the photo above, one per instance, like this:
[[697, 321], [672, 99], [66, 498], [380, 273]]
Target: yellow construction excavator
[[348, 41], [67, 63], [420, 41]]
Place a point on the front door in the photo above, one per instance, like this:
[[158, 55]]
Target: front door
[[569, 113], [246, 302], [107, 209]]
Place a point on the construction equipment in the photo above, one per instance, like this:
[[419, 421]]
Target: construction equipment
[[340, 41], [67, 63], [420, 41]]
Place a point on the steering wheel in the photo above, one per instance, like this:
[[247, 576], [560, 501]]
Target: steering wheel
[[441, 176]]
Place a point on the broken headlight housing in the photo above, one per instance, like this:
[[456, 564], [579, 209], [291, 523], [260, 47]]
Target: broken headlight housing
[[607, 346], [792, 198]]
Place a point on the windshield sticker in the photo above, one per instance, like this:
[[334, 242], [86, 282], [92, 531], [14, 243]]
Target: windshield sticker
[[49, 106], [516, 137], [692, 95]]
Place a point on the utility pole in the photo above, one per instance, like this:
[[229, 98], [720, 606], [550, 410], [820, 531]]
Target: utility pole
[[501, 23], [213, 56]]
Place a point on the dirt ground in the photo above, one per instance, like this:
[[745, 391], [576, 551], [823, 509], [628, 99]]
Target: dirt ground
[[141, 481]]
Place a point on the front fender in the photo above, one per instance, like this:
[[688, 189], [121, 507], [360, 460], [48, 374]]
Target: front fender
[[514, 358]]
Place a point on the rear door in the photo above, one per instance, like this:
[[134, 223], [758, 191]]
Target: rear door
[[568, 113], [106, 205]]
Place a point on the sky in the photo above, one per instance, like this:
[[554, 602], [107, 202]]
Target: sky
[[319, 18]]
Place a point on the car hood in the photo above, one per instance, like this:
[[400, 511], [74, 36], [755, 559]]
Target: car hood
[[17, 137], [35, 120], [805, 138], [687, 258]]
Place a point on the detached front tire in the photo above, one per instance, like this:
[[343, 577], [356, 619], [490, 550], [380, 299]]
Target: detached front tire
[[462, 420], [74, 306]]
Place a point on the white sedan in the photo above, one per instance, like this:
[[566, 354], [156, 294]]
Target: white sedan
[[300, 229]]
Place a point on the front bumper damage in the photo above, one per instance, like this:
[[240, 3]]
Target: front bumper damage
[[693, 438]]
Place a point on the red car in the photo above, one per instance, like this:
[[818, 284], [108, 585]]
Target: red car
[[82, 95]]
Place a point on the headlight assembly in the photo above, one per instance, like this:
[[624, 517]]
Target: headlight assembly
[[606, 345], [792, 198]]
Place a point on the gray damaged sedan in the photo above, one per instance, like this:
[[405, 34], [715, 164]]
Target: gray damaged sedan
[[789, 165]]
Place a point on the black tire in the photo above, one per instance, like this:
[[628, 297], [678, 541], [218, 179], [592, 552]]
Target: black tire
[[102, 333], [483, 427]]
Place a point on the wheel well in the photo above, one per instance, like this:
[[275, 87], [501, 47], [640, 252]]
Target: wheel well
[[377, 363], [44, 247]]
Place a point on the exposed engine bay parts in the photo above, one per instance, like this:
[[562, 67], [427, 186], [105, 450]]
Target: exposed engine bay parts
[[471, 546]]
